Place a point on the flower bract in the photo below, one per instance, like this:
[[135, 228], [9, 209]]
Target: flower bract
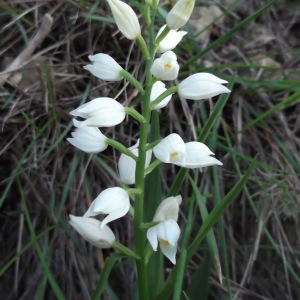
[[165, 67], [157, 89], [167, 233], [88, 139], [113, 201], [180, 13], [99, 112], [201, 86], [89, 229], [104, 67], [126, 19], [171, 40]]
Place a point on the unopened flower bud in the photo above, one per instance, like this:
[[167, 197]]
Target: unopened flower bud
[[126, 19], [180, 13]]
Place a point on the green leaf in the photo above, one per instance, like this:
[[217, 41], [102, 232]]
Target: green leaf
[[108, 265], [210, 237]]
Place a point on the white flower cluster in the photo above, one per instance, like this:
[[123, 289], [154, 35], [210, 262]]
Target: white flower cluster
[[104, 112]]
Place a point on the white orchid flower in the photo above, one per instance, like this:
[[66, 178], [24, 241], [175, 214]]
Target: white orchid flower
[[112, 201], [165, 67], [88, 139], [99, 112], [180, 13], [172, 149], [89, 229], [127, 165], [171, 40], [167, 233], [104, 67], [126, 19], [157, 89], [201, 86]]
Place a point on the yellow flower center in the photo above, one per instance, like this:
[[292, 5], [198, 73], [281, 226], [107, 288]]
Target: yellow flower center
[[174, 154], [168, 66], [164, 242]]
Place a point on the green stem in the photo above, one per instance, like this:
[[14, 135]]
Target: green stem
[[140, 234]]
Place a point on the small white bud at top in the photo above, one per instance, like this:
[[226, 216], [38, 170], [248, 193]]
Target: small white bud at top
[[126, 19], [180, 13]]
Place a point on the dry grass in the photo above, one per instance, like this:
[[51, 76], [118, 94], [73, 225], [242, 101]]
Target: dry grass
[[41, 171]]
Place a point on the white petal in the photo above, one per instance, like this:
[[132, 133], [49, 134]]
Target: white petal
[[152, 237], [127, 166], [203, 76], [157, 89], [89, 229], [171, 149], [168, 209], [112, 201], [104, 67], [168, 231], [171, 40], [125, 18], [169, 252], [198, 155], [88, 139]]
